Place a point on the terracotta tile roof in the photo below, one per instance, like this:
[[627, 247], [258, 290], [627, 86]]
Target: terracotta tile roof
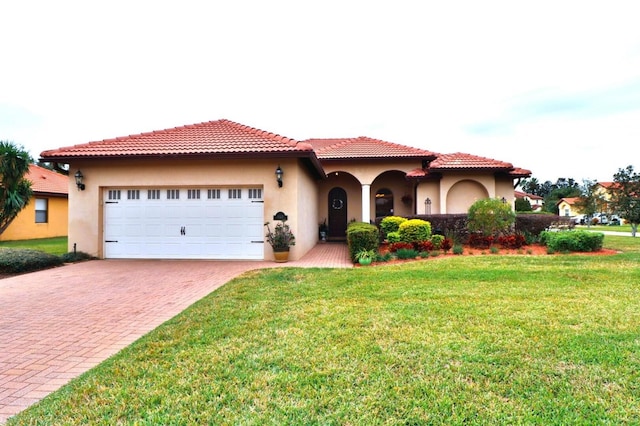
[[570, 200], [460, 160], [364, 147], [520, 194], [518, 172], [609, 185], [47, 181], [212, 137]]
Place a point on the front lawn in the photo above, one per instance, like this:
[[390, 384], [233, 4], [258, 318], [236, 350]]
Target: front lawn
[[55, 246], [451, 340]]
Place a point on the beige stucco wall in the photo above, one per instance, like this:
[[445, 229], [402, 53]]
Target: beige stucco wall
[[306, 211], [456, 192], [85, 214], [24, 226], [428, 189]]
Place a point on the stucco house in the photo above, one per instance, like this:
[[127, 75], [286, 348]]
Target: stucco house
[[204, 191], [46, 214], [567, 207], [536, 201]]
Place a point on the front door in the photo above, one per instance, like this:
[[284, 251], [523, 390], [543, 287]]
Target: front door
[[337, 214]]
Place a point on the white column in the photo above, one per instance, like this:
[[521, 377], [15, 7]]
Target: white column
[[366, 203]]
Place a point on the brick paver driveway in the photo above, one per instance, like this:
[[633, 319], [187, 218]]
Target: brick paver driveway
[[58, 323]]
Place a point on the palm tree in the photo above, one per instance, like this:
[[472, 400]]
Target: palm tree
[[15, 190]]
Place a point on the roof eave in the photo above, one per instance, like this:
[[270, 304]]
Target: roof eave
[[312, 159]]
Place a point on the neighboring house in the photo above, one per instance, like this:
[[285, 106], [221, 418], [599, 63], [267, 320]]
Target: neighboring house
[[603, 191], [45, 215], [567, 207], [535, 201], [204, 191]]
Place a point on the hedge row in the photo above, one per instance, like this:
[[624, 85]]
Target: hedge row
[[580, 241], [15, 261], [455, 225]]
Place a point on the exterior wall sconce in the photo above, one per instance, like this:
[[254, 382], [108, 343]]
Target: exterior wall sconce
[[504, 200], [427, 206], [79, 176], [279, 174]]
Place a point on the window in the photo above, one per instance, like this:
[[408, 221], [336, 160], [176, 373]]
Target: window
[[255, 194], [114, 194], [153, 194], [384, 203], [133, 194], [42, 205], [213, 194], [193, 194], [173, 194], [235, 193]]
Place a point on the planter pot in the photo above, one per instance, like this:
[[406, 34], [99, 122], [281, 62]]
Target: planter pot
[[365, 261], [281, 256]]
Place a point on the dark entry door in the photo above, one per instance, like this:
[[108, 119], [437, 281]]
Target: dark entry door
[[337, 213]]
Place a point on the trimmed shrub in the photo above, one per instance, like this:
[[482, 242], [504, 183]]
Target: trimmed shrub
[[391, 224], [578, 241], [533, 224], [75, 257], [490, 216], [446, 244], [511, 241], [415, 230], [399, 246], [14, 261], [393, 237], [458, 249], [424, 245], [480, 241], [361, 236], [437, 240]]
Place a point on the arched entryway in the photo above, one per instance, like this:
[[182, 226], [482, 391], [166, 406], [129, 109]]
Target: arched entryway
[[337, 203], [463, 194]]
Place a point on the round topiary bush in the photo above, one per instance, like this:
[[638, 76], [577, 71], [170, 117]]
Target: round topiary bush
[[414, 230], [391, 224]]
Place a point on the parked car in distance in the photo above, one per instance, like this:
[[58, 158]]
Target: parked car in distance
[[579, 219]]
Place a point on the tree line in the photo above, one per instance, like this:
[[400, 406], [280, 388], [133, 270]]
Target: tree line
[[623, 199]]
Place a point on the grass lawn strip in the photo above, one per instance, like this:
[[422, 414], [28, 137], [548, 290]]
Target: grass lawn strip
[[460, 340]]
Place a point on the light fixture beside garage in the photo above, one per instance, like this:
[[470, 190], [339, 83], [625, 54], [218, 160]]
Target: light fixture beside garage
[[79, 176], [279, 174]]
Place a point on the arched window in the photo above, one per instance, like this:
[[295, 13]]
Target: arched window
[[384, 202]]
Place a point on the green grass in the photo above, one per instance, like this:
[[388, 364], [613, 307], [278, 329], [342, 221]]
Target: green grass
[[620, 228], [550, 340], [56, 246]]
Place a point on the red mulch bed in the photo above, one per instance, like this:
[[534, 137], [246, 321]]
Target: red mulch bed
[[530, 250]]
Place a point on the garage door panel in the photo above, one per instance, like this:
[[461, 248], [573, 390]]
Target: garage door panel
[[183, 223]]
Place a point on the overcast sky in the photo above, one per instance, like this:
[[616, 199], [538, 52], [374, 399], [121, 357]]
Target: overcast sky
[[550, 86]]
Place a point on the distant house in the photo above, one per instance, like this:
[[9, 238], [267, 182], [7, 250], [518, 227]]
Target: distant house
[[604, 190], [567, 207], [46, 214], [535, 201]]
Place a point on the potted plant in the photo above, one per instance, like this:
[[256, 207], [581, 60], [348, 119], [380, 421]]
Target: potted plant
[[281, 238], [365, 257], [323, 230]]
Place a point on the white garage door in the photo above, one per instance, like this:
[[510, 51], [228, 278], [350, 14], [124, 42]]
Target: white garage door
[[184, 223]]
